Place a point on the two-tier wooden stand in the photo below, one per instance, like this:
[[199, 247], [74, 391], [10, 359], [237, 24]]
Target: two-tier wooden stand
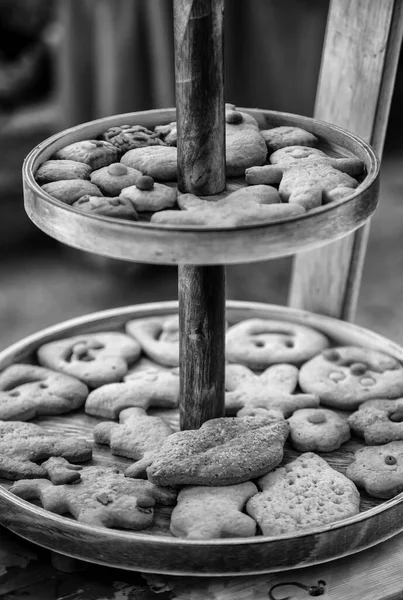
[[200, 254]]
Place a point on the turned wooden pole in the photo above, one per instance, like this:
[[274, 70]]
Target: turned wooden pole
[[199, 73]]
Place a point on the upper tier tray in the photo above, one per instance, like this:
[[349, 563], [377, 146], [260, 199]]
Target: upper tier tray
[[167, 244]]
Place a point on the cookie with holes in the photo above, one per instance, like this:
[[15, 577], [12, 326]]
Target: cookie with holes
[[27, 391], [137, 436], [259, 343], [378, 469], [378, 421], [280, 137], [317, 430], [223, 451], [143, 389], [304, 494], [273, 390], [205, 513], [24, 445], [158, 338], [103, 497], [94, 358], [346, 376], [307, 176]]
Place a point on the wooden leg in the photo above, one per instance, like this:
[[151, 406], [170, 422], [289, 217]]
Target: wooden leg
[[202, 331]]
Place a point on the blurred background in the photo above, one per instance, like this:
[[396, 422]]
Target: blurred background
[[63, 62]]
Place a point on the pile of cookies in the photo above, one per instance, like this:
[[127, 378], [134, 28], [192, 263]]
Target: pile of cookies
[[130, 173], [291, 400]]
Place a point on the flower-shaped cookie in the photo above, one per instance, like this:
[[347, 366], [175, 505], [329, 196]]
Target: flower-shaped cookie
[[128, 137], [70, 190], [308, 176], [347, 376], [313, 430], [95, 358], [204, 513], [259, 343], [119, 207], [95, 153], [378, 469], [27, 391], [223, 451], [112, 179], [54, 170], [273, 390], [103, 497], [23, 445], [144, 390], [378, 421], [158, 338]]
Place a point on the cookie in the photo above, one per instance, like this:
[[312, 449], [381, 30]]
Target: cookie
[[137, 436], [128, 137], [305, 494], [118, 208], [60, 471], [259, 343], [280, 137], [95, 358], [144, 390], [147, 195], [96, 153], [22, 445], [111, 180], [313, 430], [158, 338], [378, 421], [307, 176], [160, 162], [205, 513], [27, 391], [273, 390], [168, 133], [223, 451], [378, 469], [54, 170], [244, 146], [103, 498], [347, 376], [71, 190], [255, 204]]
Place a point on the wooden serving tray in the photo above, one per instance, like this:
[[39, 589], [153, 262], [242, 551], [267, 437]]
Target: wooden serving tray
[[168, 244], [154, 549]]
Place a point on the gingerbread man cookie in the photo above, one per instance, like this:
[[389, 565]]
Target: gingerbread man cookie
[[378, 421], [259, 343], [103, 497], [95, 358], [27, 391], [60, 471], [313, 430], [22, 445], [144, 389], [347, 376], [378, 469], [273, 390], [158, 338], [205, 513]]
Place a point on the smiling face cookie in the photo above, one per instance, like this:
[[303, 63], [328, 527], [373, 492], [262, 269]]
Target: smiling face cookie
[[347, 376], [379, 469], [259, 343]]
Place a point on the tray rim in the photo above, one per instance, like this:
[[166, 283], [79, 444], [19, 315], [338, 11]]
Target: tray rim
[[139, 311]]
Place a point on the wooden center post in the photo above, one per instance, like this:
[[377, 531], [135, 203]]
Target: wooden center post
[[199, 73]]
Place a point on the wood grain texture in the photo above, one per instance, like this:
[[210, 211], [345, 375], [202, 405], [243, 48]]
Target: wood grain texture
[[355, 89], [154, 549], [201, 344], [166, 244]]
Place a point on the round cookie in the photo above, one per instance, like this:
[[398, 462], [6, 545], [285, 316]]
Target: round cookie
[[319, 430], [378, 421], [112, 179], [160, 162], [95, 153], [259, 343], [54, 170], [347, 376]]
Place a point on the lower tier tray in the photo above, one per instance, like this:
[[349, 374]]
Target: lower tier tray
[[155, 550]]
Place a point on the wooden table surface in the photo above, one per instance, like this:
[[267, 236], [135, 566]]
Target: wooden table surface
[[26, 573]]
